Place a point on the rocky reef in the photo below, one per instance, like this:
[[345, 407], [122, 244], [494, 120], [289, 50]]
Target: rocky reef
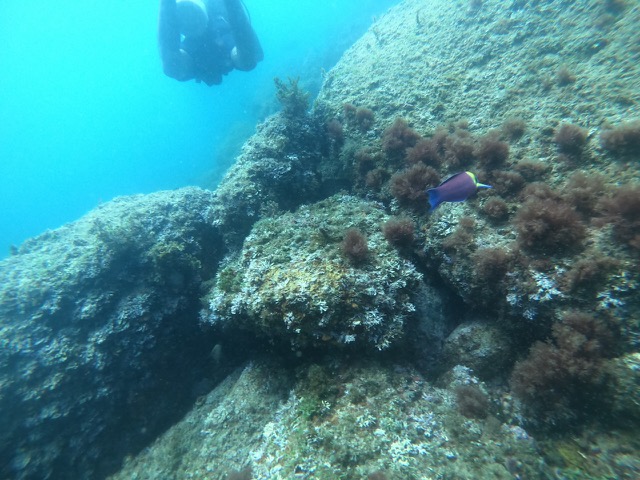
[[96, 319], [359, 334], [338, 420], [297, 280], [549, 255]]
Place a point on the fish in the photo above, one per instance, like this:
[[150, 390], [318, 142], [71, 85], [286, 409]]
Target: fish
[[457, 188]]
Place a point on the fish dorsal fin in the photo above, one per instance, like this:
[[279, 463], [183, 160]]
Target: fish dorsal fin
[[450, 177]]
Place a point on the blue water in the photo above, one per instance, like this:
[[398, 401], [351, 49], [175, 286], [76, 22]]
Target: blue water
[[86, 113]]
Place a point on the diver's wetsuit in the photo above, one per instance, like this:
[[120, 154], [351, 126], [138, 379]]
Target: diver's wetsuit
[[228, 42]]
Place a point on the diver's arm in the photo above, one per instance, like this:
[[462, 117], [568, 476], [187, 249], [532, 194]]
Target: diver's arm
[[247, 52], [176, 63]]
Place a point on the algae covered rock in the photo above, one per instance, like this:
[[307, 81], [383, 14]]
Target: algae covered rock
[[335, 420], [276, 170], [95, 318], [216, 438], [294, 279], [626, 395], [479, 345]]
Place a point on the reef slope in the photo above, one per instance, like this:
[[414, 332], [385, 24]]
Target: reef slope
[[491, 322]]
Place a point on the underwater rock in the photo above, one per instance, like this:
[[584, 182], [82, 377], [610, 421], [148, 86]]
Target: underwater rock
[[337, 420], [293, 282], [101, 342], [95, 318], [434, 66], [480, 346], [442, 62], [277, 170], [222, 431], [626, 385], [486, 62], [434, 314]]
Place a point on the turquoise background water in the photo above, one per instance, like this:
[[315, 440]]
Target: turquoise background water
[[86, 113]]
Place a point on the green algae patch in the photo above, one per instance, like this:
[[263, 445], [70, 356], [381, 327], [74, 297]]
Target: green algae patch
[[292, 280]]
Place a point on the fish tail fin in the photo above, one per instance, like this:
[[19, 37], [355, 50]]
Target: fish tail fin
[[434, 199], [482, 185]]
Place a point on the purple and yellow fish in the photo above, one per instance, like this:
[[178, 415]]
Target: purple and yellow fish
[[456, 188]]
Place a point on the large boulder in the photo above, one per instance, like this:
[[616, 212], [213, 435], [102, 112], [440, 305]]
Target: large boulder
[[336, 420], [296, 281], [101, 346]]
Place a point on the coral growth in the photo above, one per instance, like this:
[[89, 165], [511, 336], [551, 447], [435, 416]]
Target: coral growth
[[354, 246], [424, 151], [622, 211], [570, 139], [364, 118], [491, 152], [294, 101], [563, 378], [398, 137], [496, 208], [623, 139], [399, 232], [410, 185], [584, 191], [514, 128], [472, 402], [491, 264], [547, 225], [113, 283]]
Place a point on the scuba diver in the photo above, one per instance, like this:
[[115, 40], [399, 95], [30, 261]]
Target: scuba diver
[[206, 39]]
